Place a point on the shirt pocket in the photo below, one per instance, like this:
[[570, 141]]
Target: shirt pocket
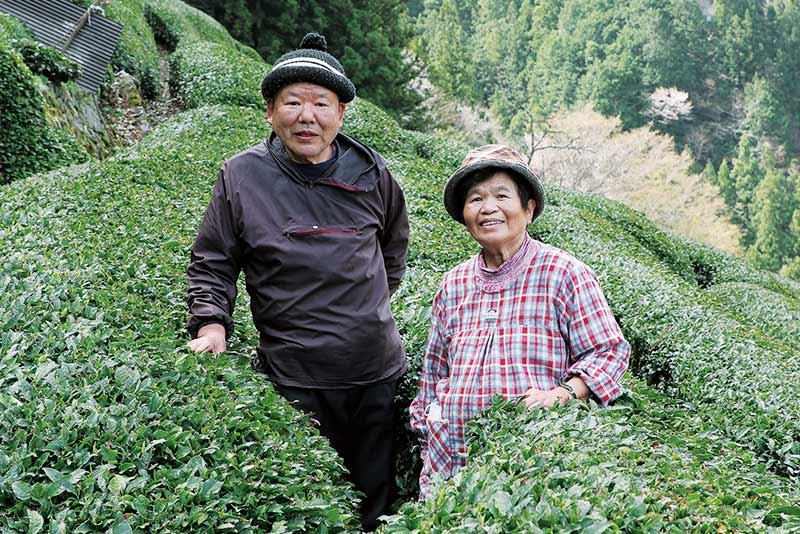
[[440, 459]]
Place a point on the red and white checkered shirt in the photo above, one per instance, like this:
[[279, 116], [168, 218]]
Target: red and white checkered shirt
[[541, 317]]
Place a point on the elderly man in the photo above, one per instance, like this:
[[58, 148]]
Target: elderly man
[[319, 227]]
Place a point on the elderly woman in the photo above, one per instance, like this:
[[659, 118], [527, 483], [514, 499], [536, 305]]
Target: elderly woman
[[521, 318]]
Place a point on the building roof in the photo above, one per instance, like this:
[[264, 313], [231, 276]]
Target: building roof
[[52, 21]]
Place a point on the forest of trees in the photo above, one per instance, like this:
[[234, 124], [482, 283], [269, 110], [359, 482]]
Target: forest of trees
[[724, 82], [368, 37], [722, 78]]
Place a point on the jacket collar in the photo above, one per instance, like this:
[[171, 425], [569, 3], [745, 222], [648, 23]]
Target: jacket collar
[[353, 162]]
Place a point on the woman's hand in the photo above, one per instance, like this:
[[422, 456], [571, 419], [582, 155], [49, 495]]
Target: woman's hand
[[545, 399]]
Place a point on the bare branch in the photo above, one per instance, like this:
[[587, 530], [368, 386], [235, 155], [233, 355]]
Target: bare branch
[[540, 130]]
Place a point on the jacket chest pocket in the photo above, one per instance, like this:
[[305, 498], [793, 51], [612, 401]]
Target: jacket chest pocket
[[311, 231], [326, 251]]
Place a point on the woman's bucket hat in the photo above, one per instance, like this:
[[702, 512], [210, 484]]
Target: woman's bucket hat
[[499, 157]]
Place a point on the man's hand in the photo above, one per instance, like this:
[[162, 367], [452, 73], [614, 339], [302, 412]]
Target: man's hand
[[210, 338], [546, 399]]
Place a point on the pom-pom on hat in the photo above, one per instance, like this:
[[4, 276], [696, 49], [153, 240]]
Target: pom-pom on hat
[[498, 157], [310, 63]]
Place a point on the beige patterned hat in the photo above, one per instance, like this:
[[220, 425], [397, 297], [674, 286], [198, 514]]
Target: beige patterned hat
[[491, 156]]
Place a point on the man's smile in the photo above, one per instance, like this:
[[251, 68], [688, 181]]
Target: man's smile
[[306, 135]]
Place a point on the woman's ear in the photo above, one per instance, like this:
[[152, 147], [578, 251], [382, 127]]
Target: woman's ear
[[530, 210]]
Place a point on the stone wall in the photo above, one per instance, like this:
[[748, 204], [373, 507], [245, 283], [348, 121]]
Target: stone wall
[[76, 111]]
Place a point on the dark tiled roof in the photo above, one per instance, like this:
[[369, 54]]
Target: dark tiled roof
[[53, 20]]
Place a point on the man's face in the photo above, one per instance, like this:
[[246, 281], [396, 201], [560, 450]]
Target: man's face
[[306, 117]]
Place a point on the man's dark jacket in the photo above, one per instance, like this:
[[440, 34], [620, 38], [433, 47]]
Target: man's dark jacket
[[320, 259]]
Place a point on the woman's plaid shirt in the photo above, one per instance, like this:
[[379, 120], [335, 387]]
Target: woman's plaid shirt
[[542, 317]]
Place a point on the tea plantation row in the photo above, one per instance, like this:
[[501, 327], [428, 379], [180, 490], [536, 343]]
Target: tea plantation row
[[107, 423], [641, 468], [673, 298], [110, 425]]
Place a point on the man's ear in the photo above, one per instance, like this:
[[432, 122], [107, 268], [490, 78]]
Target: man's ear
[[341, 113], [270, 109]]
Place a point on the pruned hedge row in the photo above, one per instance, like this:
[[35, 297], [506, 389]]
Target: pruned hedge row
[[176, 23], [778, 316], [207, 66], [209, 73], [725, 363], [28, 142], [651, 468], [108, 424]]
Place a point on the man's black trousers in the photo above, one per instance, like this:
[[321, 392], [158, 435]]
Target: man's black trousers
[[359, 422]]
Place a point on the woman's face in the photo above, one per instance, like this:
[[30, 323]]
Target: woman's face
[[494, 214]]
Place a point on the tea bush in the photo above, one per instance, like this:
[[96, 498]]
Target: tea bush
[[48, 62], [653, 468], [208, 66], [688, 344], [176, 23], [778, 315], [12, 29], [208, 73], [94, 375], [28, 143]]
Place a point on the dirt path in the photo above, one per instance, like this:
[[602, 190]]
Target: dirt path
[[128, 117]]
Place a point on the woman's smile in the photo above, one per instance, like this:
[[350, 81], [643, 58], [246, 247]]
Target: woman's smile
[[490, 222]]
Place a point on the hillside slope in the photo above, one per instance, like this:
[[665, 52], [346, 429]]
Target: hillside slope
[[110, 425]]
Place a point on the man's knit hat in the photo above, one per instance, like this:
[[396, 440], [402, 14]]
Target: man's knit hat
[[499, 157], [310, 63]]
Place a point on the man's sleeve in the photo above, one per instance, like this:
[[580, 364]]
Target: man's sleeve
[[600, 353], [214, 266], [394, 237]]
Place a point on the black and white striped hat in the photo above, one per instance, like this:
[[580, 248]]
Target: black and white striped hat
[[310, 63]]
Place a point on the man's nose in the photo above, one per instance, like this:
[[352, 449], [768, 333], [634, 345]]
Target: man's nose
[[489, 205], [307, 112]]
